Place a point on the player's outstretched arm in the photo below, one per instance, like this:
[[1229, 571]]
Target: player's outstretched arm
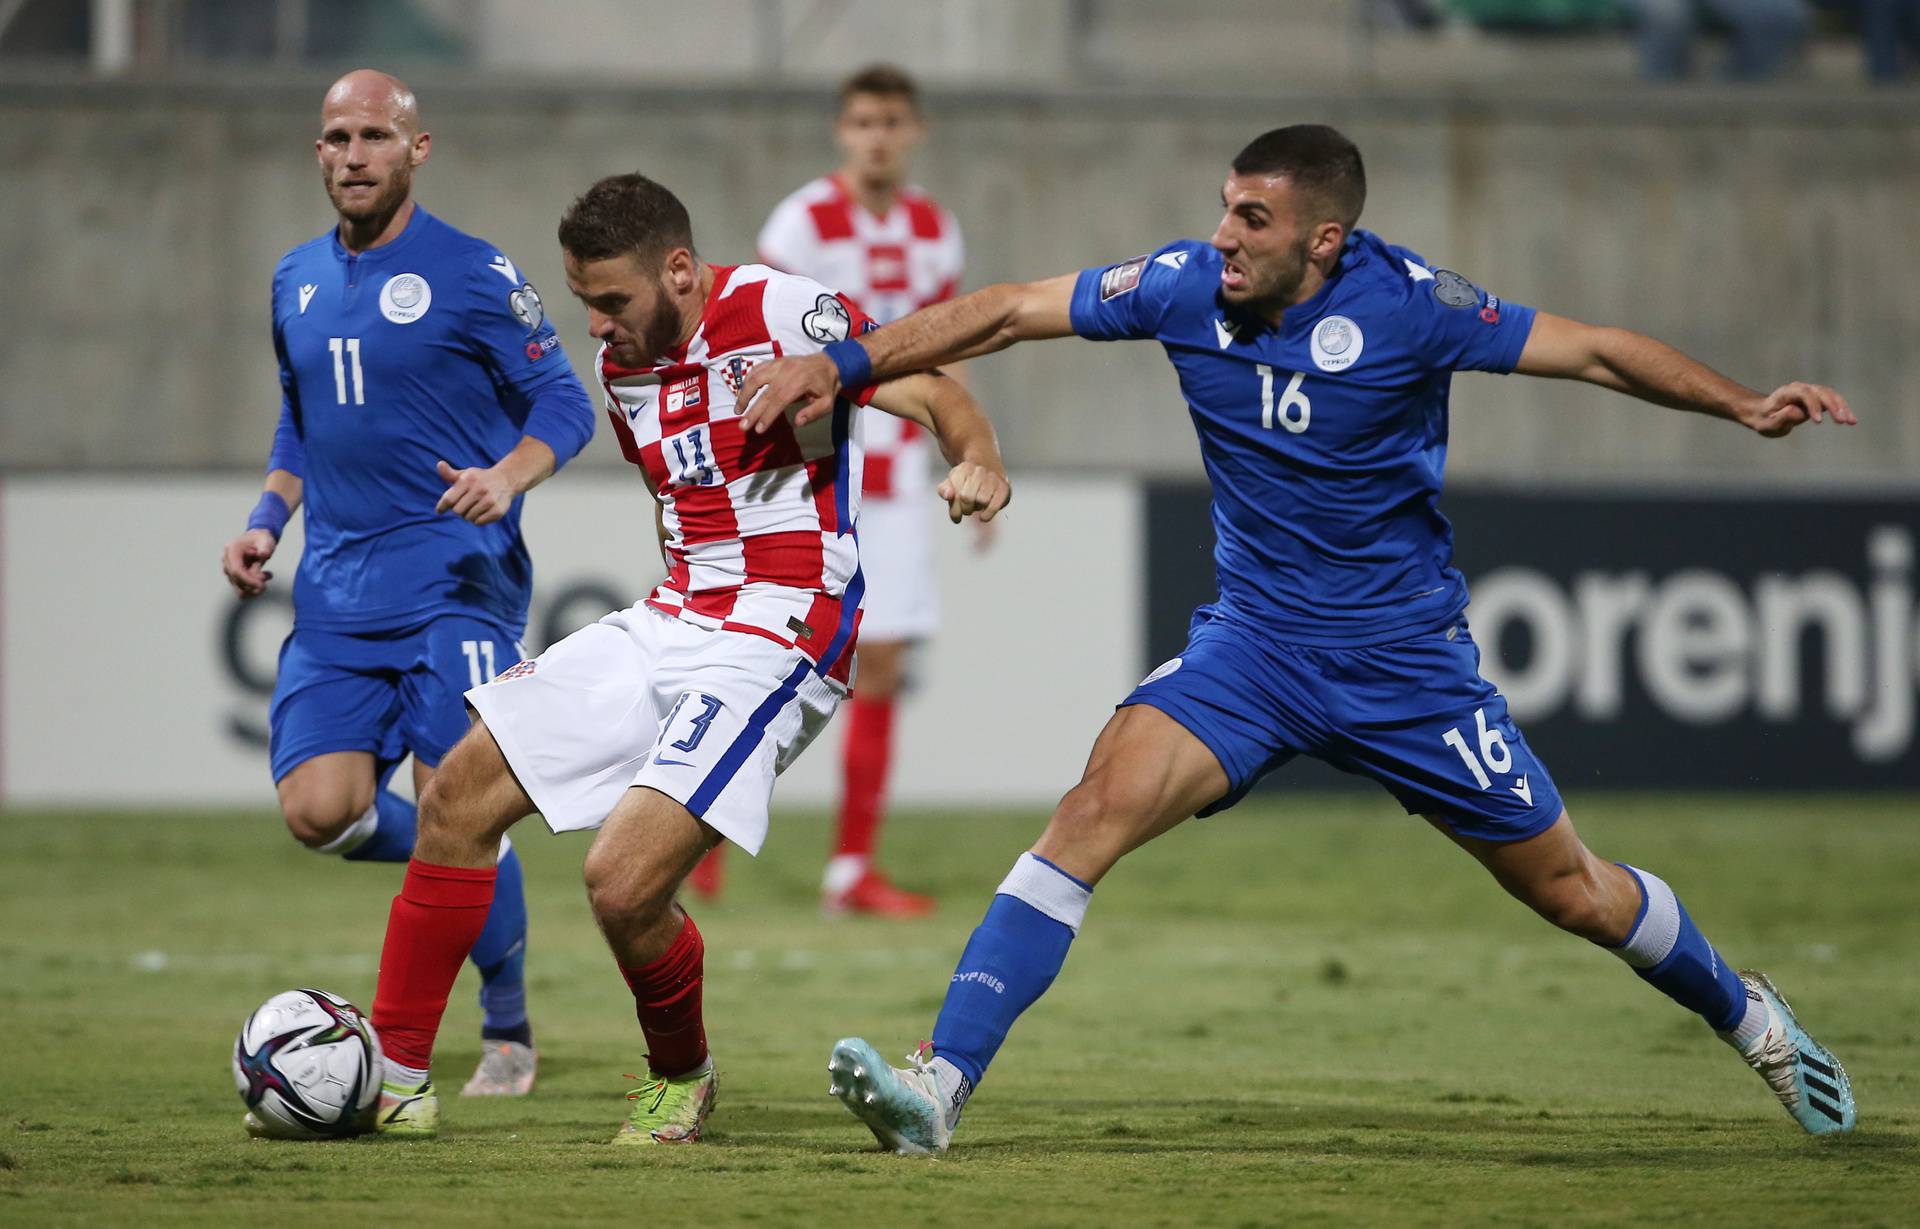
[[244, 560], [1653, 371], [977, 484], [484, 494], [987, 320]]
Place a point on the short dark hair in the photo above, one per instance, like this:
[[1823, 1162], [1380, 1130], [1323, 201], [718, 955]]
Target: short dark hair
[[884, 80], [1322, 164], [625, 214]]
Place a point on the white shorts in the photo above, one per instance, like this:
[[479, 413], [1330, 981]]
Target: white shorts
[[708, 718], [896, 556]]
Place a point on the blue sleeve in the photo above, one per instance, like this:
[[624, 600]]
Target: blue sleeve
[[1128, 300], [508, 326], [1464, 328], [288, 452], [562, 417]]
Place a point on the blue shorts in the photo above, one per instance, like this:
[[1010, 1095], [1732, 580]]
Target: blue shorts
[[384, 692], [1414, 715]]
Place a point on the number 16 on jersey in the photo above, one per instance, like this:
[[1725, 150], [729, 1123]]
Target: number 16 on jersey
[[1296, 411]]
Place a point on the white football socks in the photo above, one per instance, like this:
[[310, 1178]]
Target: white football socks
[[954, 1088]]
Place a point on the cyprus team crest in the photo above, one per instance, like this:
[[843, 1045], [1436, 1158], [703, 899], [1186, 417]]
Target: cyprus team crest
[[1337, 343], [405, 298]]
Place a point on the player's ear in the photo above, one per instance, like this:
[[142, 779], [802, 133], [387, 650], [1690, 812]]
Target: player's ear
[[1326, 240], [422, 146], [681, 271]]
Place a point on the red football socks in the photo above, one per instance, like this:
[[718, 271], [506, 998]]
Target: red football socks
[[666, 997], [864, 762], [433, 925]]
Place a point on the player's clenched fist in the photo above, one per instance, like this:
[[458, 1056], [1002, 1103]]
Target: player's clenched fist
[[479, 495], [974, 490], [244, 562]]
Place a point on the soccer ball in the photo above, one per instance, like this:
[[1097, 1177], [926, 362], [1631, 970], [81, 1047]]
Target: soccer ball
[[308, 1066]]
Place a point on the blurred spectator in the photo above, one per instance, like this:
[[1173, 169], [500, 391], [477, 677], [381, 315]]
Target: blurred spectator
[[1767, 35], [1890, 31]]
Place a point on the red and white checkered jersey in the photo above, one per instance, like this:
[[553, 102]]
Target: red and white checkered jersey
[[891, 266], [759, 527]]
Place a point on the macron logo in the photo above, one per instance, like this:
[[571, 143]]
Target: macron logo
[[504, 267], [985, 979], [1418, 273], [1224, 333], [1523, 790], [306, 296], [1172, 260]]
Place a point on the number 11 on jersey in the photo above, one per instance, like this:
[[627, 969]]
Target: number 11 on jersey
[[345, 348]]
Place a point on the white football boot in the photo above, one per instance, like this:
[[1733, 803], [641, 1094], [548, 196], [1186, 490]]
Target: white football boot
[[1802, 1073], [906, 1108]]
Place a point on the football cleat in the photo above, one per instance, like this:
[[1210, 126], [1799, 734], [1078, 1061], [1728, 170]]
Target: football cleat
[[902, 1106], [873, 893], [407, 1112], [671, 1110], [1803, 1074], [506, 1070]]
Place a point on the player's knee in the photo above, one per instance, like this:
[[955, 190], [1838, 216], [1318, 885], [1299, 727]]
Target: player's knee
[[316, 820], [1577, 903], [1102, 812], [624, 896], [440, 809]]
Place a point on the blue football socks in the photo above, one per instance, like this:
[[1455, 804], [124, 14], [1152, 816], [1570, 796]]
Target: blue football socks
[[1012, 958], [392, 837], [1669, 953], [500, 954]]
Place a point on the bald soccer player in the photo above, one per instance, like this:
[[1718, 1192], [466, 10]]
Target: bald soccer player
[[423, 392]]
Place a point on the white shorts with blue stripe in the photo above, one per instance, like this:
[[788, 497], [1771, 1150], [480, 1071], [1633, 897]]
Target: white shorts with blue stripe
[[708, 718]]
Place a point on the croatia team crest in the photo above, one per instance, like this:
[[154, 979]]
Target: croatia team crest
[[735, 372], [405, 298]]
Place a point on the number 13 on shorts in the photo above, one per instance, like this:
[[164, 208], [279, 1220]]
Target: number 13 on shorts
[[686, 726]]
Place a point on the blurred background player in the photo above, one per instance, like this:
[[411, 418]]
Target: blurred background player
[[423, 393], [663, 726], [891, 248], [1316, 360]]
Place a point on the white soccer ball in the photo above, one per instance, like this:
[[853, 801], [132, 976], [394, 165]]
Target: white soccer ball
[[308, 1066]]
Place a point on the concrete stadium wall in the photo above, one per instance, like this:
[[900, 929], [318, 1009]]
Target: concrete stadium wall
[[1771, 235]]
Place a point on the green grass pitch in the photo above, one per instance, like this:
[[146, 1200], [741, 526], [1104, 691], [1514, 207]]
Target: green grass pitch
[[1307, 1012]]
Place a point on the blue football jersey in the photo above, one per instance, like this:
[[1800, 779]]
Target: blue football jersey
[[1324, 438], [430, 347]]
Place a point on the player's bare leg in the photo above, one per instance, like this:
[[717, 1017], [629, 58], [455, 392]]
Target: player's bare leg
[[641, 855], [1147, 774], [323, 797], [853, 883], [336, 803], [441, 909], [1636, 916]]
